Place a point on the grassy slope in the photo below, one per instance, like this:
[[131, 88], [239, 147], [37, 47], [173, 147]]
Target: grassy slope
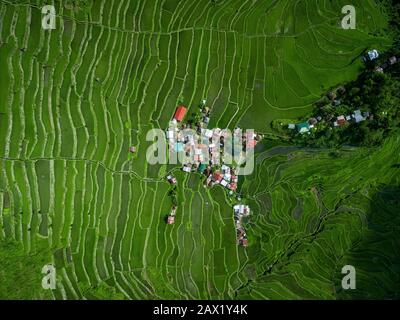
[[20, 274], [77, 97], [350, 216]]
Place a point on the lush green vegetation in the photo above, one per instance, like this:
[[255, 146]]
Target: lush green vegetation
[[20, 273], [73, 100], [373, 92]]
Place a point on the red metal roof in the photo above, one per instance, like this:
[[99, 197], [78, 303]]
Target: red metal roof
[[180, 113], [217, 176], [171, 219]]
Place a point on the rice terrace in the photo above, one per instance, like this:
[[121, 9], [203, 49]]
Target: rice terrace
[[97, 97]]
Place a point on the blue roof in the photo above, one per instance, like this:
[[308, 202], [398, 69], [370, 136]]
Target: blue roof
[[303, 127]]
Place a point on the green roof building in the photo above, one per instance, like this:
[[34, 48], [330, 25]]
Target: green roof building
[[202, 167]]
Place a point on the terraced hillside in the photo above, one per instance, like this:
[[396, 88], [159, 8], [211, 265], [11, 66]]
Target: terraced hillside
[[319, 211], [72, 101]]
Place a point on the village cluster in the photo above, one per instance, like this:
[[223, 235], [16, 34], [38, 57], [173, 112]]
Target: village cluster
[[204, 155], [240, 211], [342, 120]]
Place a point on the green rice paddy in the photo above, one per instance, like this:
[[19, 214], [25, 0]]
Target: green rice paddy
[[74, 99]]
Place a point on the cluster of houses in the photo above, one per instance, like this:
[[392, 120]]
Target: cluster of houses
[[240, 211], [207, 157], [340, 121], [226, 177], [204, 154]]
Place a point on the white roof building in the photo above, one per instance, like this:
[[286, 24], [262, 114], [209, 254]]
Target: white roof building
[[373, 54], [242, 209], [170, 134], [225, 168], [358, 116]]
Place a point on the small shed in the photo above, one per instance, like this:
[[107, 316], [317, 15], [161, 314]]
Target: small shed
[[224, 183]]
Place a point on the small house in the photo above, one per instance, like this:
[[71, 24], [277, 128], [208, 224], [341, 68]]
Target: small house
[[170, 135], [312, 121], [291, 126], [225, 169], [132, 149], [171, 179], [202, 168], [171, 219], [207, 133], [179, 147], [340, 121], [358, 116], [251, 143]]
